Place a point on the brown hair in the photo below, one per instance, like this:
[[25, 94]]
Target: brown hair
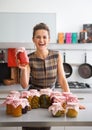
[[39, 27]]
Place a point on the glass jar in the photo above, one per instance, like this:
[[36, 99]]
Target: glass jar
[[17, 108], [72, 109]]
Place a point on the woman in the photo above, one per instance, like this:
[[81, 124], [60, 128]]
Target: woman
[[44, 65]]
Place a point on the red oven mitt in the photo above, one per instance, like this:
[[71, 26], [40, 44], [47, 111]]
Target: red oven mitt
[[12, 57]]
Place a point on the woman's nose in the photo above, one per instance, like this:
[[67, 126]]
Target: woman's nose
[[41, 39]]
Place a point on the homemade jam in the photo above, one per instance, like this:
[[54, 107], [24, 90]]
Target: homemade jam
[[16, 108]]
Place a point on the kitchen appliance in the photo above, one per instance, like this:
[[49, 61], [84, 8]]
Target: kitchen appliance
[[78, 85], [75, 85], [67, 67], [85, 69]]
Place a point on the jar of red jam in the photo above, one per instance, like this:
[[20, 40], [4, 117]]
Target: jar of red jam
[[21, 56]]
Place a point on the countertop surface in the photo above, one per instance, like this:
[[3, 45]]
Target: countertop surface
[[4, 90], [7, 88], [42, 117]]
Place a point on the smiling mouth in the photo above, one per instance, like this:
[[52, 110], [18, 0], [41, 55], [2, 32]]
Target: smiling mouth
[[42, 44]]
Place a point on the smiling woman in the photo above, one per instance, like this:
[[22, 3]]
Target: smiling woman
[[44, 65]]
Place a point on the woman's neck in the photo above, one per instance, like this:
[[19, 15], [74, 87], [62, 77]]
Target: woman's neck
[[42, 54]]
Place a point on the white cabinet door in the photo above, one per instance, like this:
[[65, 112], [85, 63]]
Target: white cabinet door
[[78, 128], [57, 128], [19, 128], [8, 128]]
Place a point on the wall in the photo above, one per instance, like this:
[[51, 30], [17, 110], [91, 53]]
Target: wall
[[71, 15], [18, 27]]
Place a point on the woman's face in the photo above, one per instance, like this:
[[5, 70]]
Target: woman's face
[[41, 39]]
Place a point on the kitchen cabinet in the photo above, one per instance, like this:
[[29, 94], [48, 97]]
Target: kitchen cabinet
[[57, 128], [52, 128], [20, 128], [71, 128], [78, 128], [8, 128]]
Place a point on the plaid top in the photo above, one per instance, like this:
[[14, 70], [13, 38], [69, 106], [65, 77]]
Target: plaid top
[[43, 71]]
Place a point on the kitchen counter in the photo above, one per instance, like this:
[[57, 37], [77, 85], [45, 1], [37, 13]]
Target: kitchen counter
[[7, 88], [4, 90], [41, 117], [18, 87]]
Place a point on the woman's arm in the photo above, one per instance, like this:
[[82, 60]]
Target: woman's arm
[[24, 76], [61, 75]]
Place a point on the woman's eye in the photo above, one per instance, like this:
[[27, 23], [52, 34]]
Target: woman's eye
[[38, 37], [44, 37]]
